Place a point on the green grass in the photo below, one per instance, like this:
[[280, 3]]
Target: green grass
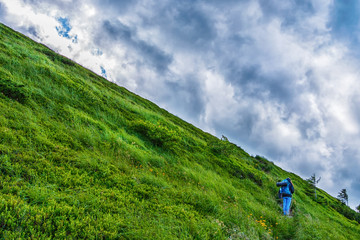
[[82, 158]]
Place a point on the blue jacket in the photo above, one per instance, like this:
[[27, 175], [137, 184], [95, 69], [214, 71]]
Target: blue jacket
[[291, 188]]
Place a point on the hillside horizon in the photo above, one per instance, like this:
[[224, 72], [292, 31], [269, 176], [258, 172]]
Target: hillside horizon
[[82, 157]]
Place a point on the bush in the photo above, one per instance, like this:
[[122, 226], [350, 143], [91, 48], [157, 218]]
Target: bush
[[53, 56], [346, 211], [159, 134], [221, 147], [263, 164], [12, 90]]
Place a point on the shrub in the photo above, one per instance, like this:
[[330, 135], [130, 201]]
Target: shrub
[[12, 90], [159, 134], [55, 56], [263, 164], [221, 147]]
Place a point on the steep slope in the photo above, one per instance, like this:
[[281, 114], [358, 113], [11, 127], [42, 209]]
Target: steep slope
[[82, 158]]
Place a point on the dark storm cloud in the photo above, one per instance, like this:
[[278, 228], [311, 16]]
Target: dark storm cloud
[[348, 177], [61, 5], [290, 13], [185, 95], [350, 157], [2, 11], [32, 30], [64, 5], [306, 165], [116, 32], [191, 25], [184, 23], [259, 85], [355, 192], [238, 126], [114, 6], [312, 125]]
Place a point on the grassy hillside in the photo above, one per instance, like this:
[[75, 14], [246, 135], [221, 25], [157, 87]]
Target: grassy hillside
[[82, 158]]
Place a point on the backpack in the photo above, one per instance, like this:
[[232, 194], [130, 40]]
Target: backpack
[[285, 189]]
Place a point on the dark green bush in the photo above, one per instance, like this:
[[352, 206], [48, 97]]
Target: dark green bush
[[46, 51], [263, 164], [221, 147], [55, 56], [346, 211], [14, 91], [159, 134]]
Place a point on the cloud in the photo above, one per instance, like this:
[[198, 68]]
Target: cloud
[[299, 10], [185, 95], [187, 25], [43, 5], [114, 7], [2, 11], [118, 33]]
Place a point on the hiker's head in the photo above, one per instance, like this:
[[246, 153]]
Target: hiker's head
[[288, 179]]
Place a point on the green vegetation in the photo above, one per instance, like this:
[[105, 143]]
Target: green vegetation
[[82, 158]]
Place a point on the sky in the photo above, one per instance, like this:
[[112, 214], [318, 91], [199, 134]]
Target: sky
[[278, 78]]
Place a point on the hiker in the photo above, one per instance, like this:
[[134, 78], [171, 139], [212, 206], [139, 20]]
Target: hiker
[[285, 192]]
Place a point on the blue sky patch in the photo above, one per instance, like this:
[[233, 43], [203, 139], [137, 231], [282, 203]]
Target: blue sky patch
[[96, 52], [103, 72], [65, 27]]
